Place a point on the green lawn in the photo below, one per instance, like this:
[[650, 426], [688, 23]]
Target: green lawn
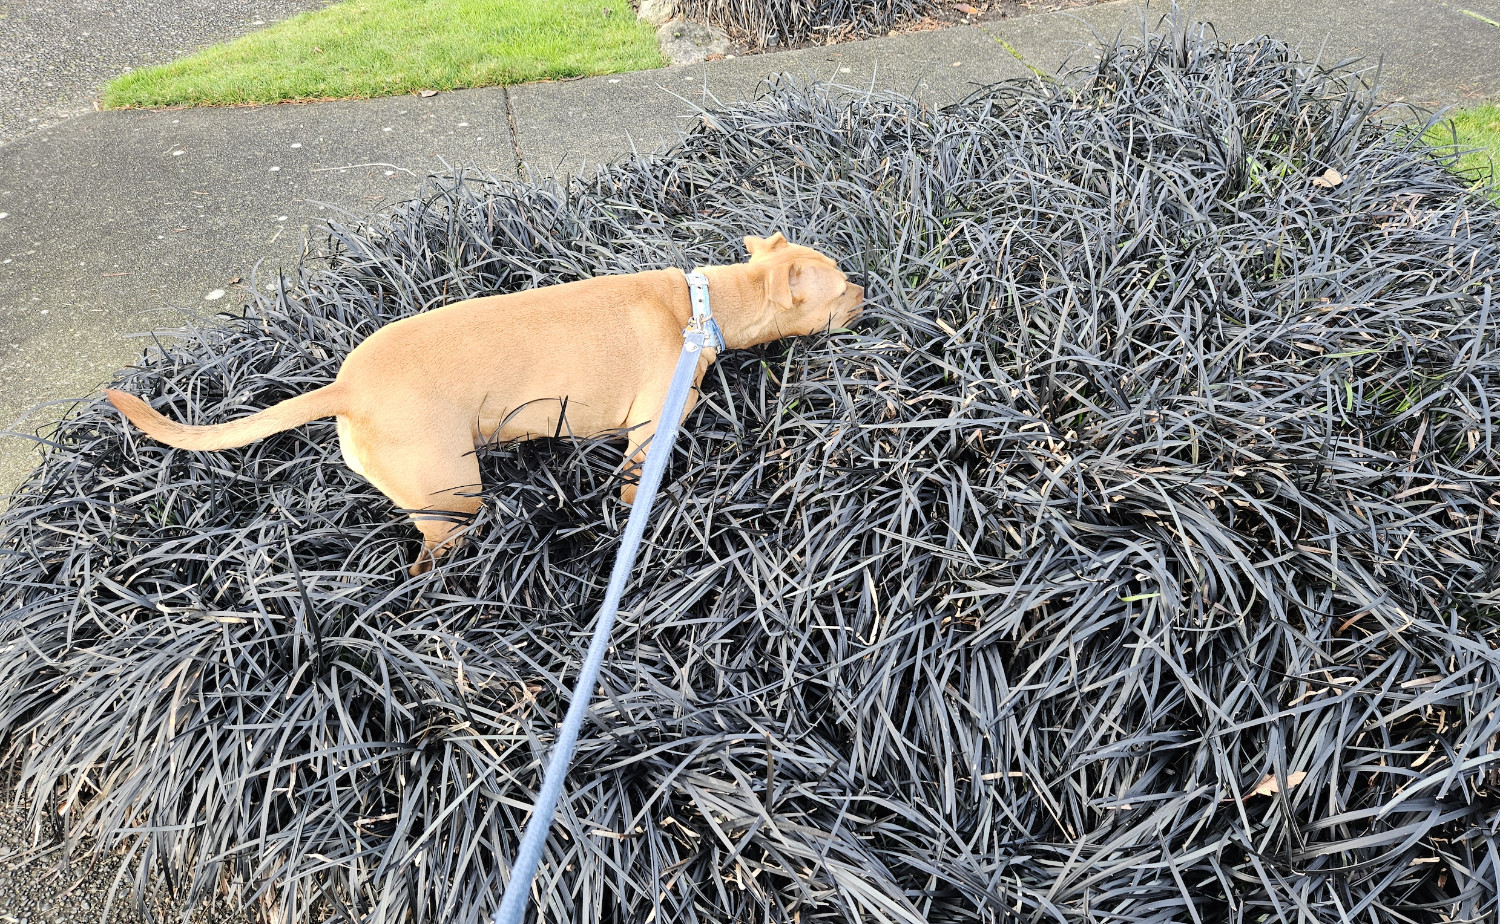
[[1478, 135], [363, 48]]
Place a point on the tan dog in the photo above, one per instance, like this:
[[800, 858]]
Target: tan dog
[[417, 397]]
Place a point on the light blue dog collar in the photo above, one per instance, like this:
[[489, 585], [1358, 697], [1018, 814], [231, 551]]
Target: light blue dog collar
[[703, 316]]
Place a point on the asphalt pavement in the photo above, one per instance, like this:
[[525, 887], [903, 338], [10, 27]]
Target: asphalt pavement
[[56, 54]]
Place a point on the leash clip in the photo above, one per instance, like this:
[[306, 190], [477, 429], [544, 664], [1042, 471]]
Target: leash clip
[[703, 316]]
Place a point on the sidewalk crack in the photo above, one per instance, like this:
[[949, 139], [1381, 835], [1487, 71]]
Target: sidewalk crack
[[522, 171]]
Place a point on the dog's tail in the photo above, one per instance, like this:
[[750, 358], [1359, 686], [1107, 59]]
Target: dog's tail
[[293, 412]]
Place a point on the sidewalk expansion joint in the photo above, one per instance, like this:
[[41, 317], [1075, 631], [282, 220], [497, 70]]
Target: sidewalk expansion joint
[[515, 137]]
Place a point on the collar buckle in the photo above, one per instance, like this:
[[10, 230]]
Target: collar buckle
[[703, 316]]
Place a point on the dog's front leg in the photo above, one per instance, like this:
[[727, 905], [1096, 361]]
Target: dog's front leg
[[640, 434], [642, 420]]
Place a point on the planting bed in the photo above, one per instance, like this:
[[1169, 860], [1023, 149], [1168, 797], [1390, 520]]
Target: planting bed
[[761, 25], [1134, 560]]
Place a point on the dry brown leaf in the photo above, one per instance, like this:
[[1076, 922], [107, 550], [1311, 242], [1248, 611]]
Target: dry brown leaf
[[426, 93], [1329, 179], [1269, 786]]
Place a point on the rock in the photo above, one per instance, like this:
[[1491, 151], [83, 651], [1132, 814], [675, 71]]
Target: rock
[[686, 42], [657, 12]]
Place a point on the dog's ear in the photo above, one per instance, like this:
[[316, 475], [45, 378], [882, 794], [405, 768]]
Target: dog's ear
[[779, 280], [759, 245]]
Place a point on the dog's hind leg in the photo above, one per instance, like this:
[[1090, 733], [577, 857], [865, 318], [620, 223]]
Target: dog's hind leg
[[436, 483]]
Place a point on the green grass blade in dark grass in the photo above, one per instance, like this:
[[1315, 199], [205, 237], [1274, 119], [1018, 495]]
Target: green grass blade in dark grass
[[1135, 559]]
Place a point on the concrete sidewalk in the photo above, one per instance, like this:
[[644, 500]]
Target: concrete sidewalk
[[116, 222], [1434, 55]]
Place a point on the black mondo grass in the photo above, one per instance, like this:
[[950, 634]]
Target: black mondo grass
[[768, 23], [1133, 561]]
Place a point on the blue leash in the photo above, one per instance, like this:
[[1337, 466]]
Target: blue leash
[[704, 332]]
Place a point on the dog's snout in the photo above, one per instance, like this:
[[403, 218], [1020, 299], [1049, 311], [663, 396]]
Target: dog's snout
[[856, 305]]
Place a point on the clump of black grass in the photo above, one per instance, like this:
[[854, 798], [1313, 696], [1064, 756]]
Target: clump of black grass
[[768, 23], [1135, 560]]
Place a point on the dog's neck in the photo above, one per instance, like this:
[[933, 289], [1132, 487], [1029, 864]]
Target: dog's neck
[[737, 298]]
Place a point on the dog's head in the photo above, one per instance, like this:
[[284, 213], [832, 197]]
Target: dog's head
[[806, 292]]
